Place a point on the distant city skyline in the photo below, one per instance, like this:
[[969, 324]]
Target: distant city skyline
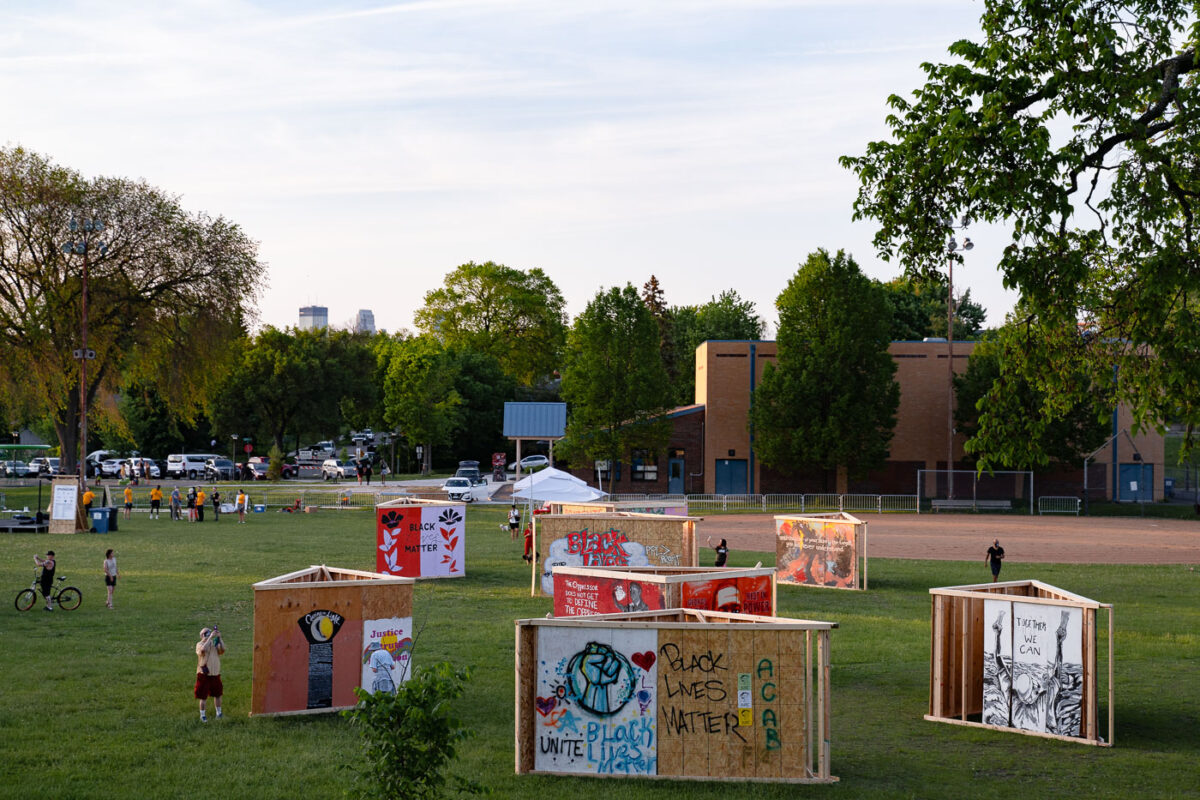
[[373, 147]]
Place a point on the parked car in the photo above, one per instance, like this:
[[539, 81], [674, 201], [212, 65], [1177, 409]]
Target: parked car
[[94, 460], [43, 465], [150, 469], [188, 465], [470, 471], [459, 489], [254, 471], [111, 467], [530, 462], [218, 469], [17, 469], [251, 469], [332, 469]]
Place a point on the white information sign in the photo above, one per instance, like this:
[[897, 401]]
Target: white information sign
[[66, 501]]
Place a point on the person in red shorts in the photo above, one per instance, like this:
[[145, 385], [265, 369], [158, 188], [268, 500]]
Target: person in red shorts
[[528, 557], [209, 650]]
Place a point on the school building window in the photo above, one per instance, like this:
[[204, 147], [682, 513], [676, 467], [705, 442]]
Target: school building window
[[645, 466], [602, 470]]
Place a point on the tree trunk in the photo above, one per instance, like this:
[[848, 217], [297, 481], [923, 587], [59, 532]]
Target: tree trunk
[[66, 426], [427, 458], [843, 479]]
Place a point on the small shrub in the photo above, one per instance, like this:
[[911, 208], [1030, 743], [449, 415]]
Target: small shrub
[[410, 737], [275, 464]]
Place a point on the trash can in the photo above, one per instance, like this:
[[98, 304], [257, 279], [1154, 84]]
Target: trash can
[[113, 516], [99, 520]]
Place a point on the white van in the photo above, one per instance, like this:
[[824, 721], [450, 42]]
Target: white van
[[187, 465]]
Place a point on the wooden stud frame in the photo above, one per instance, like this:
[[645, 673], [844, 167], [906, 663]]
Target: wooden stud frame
[[733, 697], [674, 508], [957, 654]]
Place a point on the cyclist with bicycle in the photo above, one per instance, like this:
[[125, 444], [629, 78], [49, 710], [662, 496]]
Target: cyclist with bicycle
[[48, 566]]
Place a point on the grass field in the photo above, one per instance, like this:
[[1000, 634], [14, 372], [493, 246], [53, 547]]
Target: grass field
[[97, 703]]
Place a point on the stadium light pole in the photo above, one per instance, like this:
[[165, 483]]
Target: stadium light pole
[[950, 256], [82, 243]]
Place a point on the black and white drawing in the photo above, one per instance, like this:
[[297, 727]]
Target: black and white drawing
[[997, 662], [1047, 678]]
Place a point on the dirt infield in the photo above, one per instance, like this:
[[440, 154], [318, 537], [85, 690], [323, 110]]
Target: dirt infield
[[966, 537]]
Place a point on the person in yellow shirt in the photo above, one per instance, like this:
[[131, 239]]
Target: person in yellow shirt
[[155, 501], [128, 502], [89, 497], [200, 498], [240, 505]]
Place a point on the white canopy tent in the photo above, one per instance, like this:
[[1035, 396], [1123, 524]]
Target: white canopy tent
[[554, 484]]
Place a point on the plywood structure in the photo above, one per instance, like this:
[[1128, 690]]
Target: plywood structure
[[675, 508], [614, 539], [1019, 656], [417, 538], [321, 632], [674, 694], [827, 550], [583, 591], [66, 507]]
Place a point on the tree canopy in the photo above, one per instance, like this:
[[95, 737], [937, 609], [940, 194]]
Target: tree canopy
[[724, 316], [613, 379], [1075, 123], [167, 296], [830, 402], [919, 310], [419, 397], [515, 316]]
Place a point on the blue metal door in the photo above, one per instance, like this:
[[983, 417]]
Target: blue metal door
[[1136, 482], [675, 476], [731, 476]]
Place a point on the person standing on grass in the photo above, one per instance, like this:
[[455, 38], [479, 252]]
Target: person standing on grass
[[240, 505], [200, 498], [209, 650], [110, 574], [89, 497], [995, 554], [128, 502], [216, 501], [155, 501], [722, 551], [191, 503], [528, 557], [176, 504], [48, 565], [514, 521]]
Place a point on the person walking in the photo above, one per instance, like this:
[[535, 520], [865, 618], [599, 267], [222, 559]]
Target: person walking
[[176, 504], [201, 496], [128, 502], [368, 471], [155, 501], [722, 551], [995, 555], [216, 501], [110, 574], [514, 521], [209, 650], [48, 565], [240, 505]]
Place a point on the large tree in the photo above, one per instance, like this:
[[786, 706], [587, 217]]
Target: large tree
[[515, 316], [167, 293], [419, 395], [1075, 123], [614, 381], [994, 398], [919, 310], [831, 401]]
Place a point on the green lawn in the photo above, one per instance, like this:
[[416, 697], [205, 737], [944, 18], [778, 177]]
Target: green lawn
[[97, 703]]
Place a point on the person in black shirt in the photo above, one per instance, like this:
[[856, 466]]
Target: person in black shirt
[[722, 554], [995, 554], [48, 566]]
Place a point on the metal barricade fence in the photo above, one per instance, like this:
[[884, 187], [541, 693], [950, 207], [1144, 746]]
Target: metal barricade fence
[[1058, 505], [803, 503]]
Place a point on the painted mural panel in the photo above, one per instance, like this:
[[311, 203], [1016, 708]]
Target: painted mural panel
[[816, 553], [596, 701], [575, 596], [604, 543], [997, 662], [421, 541], [742, 595], [387, 652], [1047, 668]]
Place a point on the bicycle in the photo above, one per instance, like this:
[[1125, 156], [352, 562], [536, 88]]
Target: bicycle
[[67, 598]]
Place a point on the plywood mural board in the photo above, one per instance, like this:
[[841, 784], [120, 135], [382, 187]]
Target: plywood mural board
[[1021, 656], [421, 538], [583, 591], [66, 507], [321, 632], [821, 550], [674, 694], [615, 540]]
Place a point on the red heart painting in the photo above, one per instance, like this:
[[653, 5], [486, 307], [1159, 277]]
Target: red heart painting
[[644, 660], [546, 704]]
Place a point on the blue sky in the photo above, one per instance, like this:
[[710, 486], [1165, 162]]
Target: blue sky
[[372, 147]]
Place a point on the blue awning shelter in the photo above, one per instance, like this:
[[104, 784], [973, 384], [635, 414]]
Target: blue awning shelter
[[535, 422]]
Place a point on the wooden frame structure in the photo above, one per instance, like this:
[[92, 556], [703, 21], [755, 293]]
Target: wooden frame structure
[[959, 679], [585, 591], [418, 538], [825, 550], [616, 539], [316, 631], [63, 517], [674, 508], [683, 695]]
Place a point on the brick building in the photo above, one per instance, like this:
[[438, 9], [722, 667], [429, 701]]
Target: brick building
[[711, 449]]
